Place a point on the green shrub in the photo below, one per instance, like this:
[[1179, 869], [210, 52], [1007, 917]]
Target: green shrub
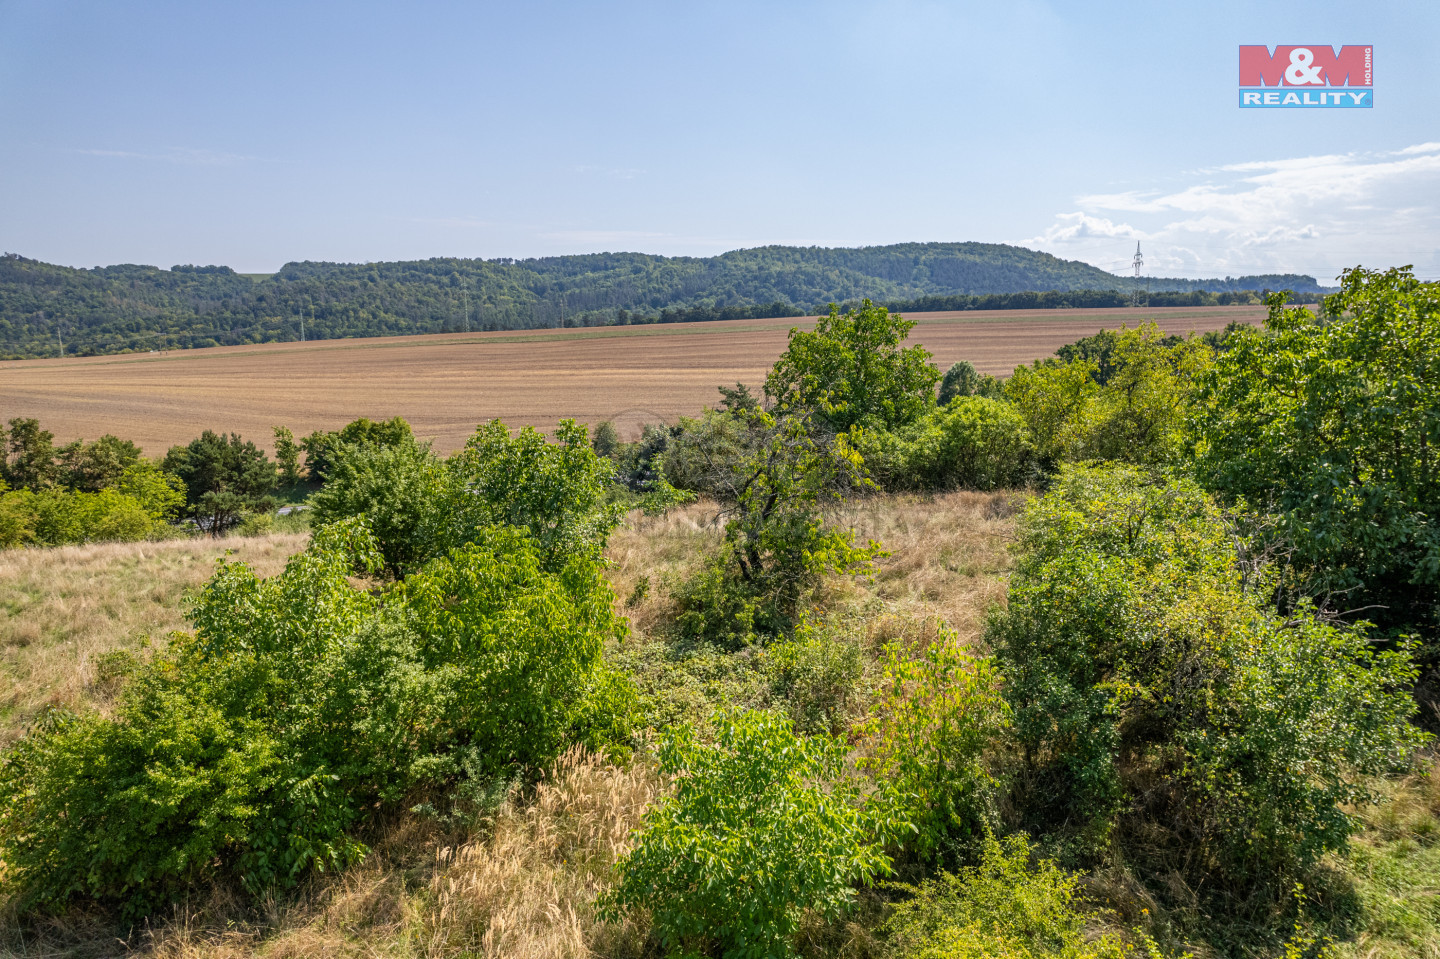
[[763, 826], [321, 445], [960, 380], [253, 747], [1004, 908], [819, 674], [401, 489], [973, 443], [1153, 690], [938, 714], [420, 507], [557, 491]]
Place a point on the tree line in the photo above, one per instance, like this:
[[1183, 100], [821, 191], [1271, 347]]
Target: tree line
[[45, 309]]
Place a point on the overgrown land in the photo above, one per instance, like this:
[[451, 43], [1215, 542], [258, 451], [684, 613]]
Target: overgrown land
[[1133, 653]]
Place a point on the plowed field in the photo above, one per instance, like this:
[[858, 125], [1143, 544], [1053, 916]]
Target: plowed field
[[446, 384]]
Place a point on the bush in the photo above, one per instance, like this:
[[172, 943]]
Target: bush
[[421, 507], [402, 490], [973, 443], [557, 491], [819, 673], [253, 747], [938, 714], [1004, 908], [762, 826], [321, 445], [224, 477], [1153, 690]]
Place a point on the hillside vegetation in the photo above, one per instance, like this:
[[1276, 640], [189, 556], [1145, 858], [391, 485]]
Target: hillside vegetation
[[877, 660], [129, 307]]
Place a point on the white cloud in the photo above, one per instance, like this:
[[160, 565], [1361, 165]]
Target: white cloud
[[183, 155], [1309, 214]]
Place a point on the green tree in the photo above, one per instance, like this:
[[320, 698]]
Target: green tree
[[320, 445], [775, 489], [938, 713], [287, 456], [31, 464], [224, 477], [1332, 424], [763, 825], [852, 369], [557, 491], [403, 492], [160, 494], [960, 380], [91, 467]]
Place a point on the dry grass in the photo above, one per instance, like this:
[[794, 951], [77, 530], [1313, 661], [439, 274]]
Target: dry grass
[[523, 887], [949, 553], [62, 609], [446, 384]]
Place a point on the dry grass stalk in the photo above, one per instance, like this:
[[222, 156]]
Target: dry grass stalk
[[62, 609], [527, 890]]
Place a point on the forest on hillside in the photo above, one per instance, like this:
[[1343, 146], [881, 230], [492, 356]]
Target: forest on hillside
[[46, 309]]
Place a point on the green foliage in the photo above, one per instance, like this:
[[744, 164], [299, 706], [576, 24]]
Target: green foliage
[[1332, 423], [160, 494], [972, 443], [1055, 400], [778, 544], [91, 467], [287, 455], [57, 517], [402, 490], [1153, 690], [30, 463], [1004, 908], [853, 371], [819, 675], [558, 491], [938, 713], [1130, 409], [962, 379], [224, 477], [420, 507], [322, 446], [1140, 411], [254, 747], [764, 824], [605, 440]]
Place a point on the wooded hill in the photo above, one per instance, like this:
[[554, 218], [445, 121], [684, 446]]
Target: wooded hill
[[130, 307]]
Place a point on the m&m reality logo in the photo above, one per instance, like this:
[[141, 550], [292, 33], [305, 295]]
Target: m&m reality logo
[[1310, 75]]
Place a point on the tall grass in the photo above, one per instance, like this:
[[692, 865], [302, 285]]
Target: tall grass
[[62, 610]]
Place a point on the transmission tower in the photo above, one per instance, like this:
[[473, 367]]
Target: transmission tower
[[1136, 299]]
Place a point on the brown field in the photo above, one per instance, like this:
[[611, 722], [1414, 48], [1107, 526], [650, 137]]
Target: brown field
[[445, 384]]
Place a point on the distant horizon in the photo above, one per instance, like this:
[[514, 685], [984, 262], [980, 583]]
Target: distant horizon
[[637, 252]]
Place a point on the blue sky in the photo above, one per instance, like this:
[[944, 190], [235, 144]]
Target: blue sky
[[254, 134]]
